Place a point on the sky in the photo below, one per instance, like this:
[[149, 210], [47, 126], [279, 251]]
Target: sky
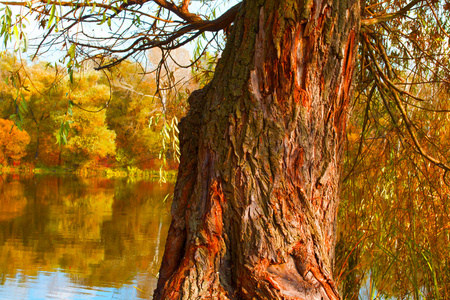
[[35, 33]]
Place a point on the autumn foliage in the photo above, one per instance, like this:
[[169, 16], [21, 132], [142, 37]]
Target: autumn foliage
[[13, 142], [108, 119]]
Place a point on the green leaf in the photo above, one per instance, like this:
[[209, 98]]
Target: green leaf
[[8, 13], [104, 18], [16, 32], [19, 124], [70, 71], [166, 197], [52, 15], [21, 111], [23, 106], [71, 51], [166, 133], [61, 137], [25, 42]]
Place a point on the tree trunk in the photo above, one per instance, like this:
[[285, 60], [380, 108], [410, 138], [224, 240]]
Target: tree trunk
[[255, 204]]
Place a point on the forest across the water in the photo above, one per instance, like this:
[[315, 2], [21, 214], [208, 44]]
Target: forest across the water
[[90, 121]]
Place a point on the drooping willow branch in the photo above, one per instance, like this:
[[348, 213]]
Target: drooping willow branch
[[383, 81]]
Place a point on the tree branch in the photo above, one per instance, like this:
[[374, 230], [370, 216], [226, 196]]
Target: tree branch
[[387, 17], [181, 12], [403, 113]]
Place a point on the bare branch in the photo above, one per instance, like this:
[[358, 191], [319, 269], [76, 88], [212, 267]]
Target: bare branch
[[185, 5], [181, 12], [387, 17]]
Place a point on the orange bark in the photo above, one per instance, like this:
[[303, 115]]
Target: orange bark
[[255, 203]]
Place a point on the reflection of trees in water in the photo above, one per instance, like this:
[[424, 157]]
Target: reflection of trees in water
[[147, 281], [12, 200], [101, 232]]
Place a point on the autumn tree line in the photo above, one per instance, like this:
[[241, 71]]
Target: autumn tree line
[[90, 119]]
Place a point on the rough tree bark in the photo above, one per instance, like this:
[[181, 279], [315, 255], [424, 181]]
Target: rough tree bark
[[254, 211]]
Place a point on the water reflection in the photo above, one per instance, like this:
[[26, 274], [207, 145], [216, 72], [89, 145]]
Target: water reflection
[[73, 238]]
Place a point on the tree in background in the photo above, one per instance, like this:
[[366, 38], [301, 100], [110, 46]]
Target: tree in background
[[36, 96], [13, 142], [133, 103], [103, 112], [89, 140], [144, 115], [45, 99]]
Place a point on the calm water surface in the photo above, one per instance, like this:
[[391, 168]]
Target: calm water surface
[[74, 238]]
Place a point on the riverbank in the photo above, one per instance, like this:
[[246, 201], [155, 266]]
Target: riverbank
[[133, 172]]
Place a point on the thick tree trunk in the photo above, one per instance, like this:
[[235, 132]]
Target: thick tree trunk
[[255, 204]]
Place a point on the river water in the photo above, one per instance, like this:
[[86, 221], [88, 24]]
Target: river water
[[74, 238]]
